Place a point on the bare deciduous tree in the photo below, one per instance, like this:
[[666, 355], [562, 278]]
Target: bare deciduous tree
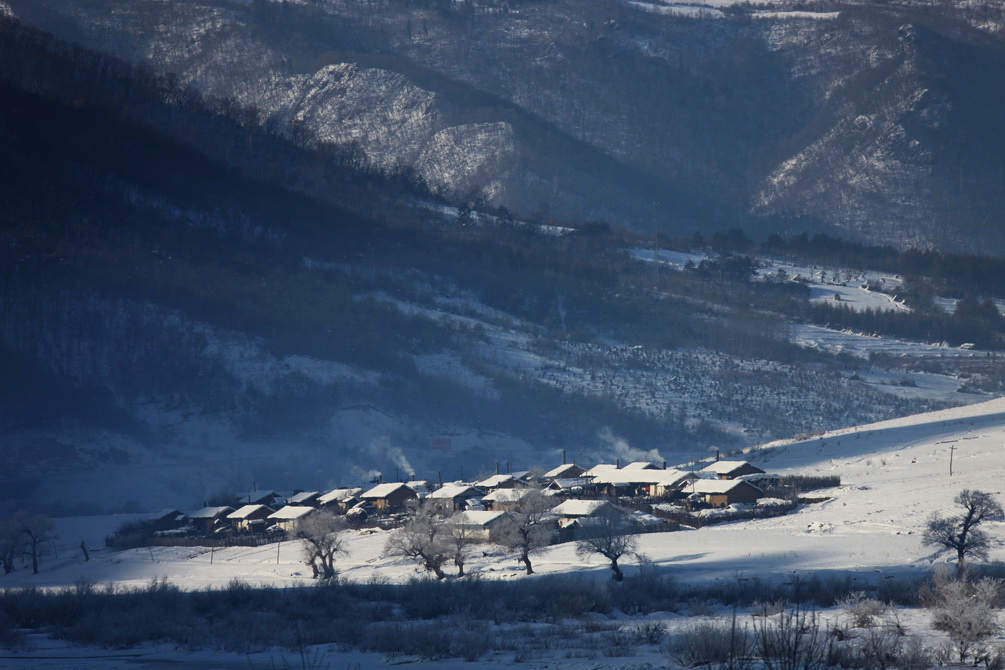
[[421, 539], [532, 527], [612, 537], [961, 533], [35, 531], [321, 535], [10, 543], [457, 537]]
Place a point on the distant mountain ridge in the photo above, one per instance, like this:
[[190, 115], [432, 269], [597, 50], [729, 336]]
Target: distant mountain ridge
[[870, 122]]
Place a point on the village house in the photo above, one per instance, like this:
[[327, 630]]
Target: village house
[[501, 482], [731, 469], [208, 519], [600, 468], [505, 500], [636, 482], [340, 500], [482, 526], [575, 487], [564, 471], [249, 518], [287, 518], [641, 465], [454, 497], [580, 512], [389, 498], [725, 492], [168, 519], [256, 497], [308, 498]]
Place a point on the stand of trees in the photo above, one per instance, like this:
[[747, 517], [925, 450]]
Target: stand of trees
[[24, 535]]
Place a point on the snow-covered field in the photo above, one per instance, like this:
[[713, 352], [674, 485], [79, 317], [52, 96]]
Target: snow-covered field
[[894, 475]]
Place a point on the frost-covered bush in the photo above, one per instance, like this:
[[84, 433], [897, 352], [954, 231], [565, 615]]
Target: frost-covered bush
[[861, 610], [965, 610]]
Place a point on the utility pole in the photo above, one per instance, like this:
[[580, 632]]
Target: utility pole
[[952, 448]]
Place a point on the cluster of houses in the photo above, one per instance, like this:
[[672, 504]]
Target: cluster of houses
[[481, 505]]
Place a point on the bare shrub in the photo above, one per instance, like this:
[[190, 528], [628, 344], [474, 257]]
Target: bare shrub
[[862, 610], [881, 648], [713, 644], [914, 655], [471, 641], [790, 640], [649, 589], [618, 642], [651, 632], [428, 640]]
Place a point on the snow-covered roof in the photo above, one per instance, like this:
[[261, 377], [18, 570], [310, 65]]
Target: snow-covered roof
[[715, 486], [641, 465], [251, 497], [562, 483], [564, 471], [476, 518], [597, 469], [211, 512], [167, 513], [450, 491], [660, 477], [580, 507], [384, 490], [338, 495], [495, 480], [725, 467], [291, 513], [303, 496], [245, 511], [506, 495]]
